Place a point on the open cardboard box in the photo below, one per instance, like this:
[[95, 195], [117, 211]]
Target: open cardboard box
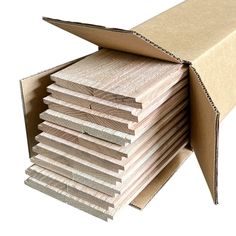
[[201, 34]]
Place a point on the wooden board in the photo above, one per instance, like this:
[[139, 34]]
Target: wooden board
[[157, 150], [119, 77], [105, 119], [108, 148], [103, 173], [115, 109], [63, 196], [90, 115], [58, 187], [111, 135]]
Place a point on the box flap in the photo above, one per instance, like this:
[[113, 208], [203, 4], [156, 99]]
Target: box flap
[[33, 90], [202, 32], [118, 39], [204, 131]]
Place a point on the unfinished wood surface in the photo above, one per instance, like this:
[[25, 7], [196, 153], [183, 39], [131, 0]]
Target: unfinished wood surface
[[82, 139], [107, 120], [82, 152], [119, 77], [108, 148], [65, 197], [130, 165], [115, 109], [111, 135], [75, 175], [72, 187], [58, 187], [78, 163], [142, 164], [86, 127], [90, 115], [94, 103]]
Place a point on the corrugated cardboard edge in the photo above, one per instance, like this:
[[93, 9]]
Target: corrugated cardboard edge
[[204, 131], [160, 180]]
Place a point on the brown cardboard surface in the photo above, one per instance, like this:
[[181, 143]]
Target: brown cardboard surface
[[119, 39], [202, 32], [33, 89], [155, 186], [204, 131]]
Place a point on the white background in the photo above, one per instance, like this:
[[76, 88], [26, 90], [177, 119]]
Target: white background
[[29, 45]]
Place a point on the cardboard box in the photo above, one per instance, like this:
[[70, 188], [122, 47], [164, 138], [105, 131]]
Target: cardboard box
[[198, 33]]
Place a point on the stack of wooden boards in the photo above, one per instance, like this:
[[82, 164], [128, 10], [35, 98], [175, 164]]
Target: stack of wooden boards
[[114, 121]]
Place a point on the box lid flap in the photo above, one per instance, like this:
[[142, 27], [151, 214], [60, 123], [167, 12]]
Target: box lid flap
[[118, 39]]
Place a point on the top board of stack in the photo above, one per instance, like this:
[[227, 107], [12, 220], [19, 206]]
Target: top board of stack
[[114, 121]]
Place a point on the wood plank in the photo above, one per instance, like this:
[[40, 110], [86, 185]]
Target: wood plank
[[82, 152], [60, 184], [108, 120], [78, 163], [108, 148], [72, 187], [111, 135], [86, 127], [82, 139], [58, 153], [118, 77], [87, 114], [67, 198], [94, 103], [157, 151], [115, 109]]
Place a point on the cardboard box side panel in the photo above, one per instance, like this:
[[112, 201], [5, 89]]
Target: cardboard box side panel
[[191, 28], [117, 39], [161, 179], [204, 131], [217, 68], [33, 89]]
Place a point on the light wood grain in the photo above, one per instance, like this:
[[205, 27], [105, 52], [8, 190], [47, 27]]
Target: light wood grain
[[111, 135], [115, 109], [90, 115], [107, 120], [108, 148], [139, 165], [119, 77], [82, 152], [86, 127], [94, 103], [63, 196], [104, 173], [82, 139], [58, 187]]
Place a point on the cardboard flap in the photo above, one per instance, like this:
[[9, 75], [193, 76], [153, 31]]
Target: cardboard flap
[[204, 131], [117, 39]]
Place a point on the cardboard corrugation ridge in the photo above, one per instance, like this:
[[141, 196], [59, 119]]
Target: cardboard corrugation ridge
[[159, 47]]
